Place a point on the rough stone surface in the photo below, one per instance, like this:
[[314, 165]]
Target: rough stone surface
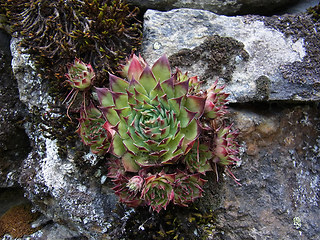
[[58, 186], [279, 174], [14, 143], [256, 57], [300, 7], [226, 7]]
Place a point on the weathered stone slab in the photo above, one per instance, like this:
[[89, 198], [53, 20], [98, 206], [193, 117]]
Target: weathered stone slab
[[226, 7], [258, 58]]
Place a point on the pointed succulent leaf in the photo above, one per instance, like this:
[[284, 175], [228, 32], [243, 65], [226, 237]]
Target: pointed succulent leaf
[[181, 89], [161, 69], [157, 91], [110, 114], [118, 148], [185, 117], [192, 131], [120, 99], [135, 68], [175, 104], [135, 86], [129, 163], [147, 79], [195, 104], [117, 84], [168, 87], [105, 97]]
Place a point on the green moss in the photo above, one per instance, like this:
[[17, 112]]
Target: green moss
[[175, 223], [315, 12], [54, 32]]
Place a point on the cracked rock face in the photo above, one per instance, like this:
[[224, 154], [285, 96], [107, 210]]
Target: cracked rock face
[[279, 174], [226, 7], [256, 57], [14, 142], [58, 187]]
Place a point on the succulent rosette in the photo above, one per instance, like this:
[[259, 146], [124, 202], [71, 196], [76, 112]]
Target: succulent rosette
[[198, 159], [215, 105], [94, 131], [155, 120], [188, 187], [158, 190], [80, 75], [226, 150], [161, 131]]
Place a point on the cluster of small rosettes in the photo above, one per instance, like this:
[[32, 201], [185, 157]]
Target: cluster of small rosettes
[[159, 129]]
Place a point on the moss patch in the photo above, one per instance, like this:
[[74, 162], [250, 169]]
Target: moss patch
[[218, 53], [17, 221]]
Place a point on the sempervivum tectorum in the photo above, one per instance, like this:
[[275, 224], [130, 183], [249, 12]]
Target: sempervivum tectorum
[[158, 191], [94, 131], [161, 130], [80, 75], [226, 149], [155, 120], [216, 102]]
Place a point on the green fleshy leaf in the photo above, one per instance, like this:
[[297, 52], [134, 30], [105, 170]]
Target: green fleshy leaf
[[122, 129], [117, 146], [164, 132], [147, 106], [147, 80], [140, 97], [120, 99], [157, 91], [129, 163], [161, 69], [211, 114], [185, 117], [195, 104], [164, 101], [111, 115], [145, 161], [164, 142], [171, 158], [123, 112], [181, 89], [191, 131], [168, 87], [128, 143], [175, 104], [118, 84], [105, 97], [135, 85], [175, 150]]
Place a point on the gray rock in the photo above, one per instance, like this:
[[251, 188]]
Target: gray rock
[[227, 7], [258, 58], [14, 142], [60, 189], [279, 175], [301, 6]]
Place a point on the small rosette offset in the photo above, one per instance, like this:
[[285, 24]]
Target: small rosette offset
[[93, 131]]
